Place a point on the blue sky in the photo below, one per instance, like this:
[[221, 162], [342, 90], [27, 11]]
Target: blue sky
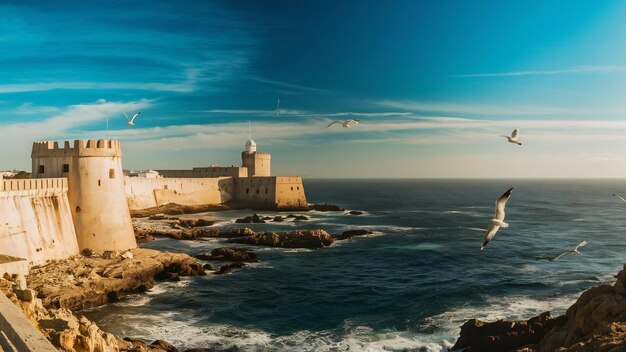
[[434, 82]]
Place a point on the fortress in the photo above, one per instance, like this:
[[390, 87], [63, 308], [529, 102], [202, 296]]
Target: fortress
[[78, 198]]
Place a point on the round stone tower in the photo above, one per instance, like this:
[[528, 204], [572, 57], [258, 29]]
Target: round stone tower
[[258, 164], [96, 190]]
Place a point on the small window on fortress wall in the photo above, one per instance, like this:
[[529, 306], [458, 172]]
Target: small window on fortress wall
[[111, 173], [66, 167], [292, 188], [257, 191], [247, 190], [41, 169], [265, 190]]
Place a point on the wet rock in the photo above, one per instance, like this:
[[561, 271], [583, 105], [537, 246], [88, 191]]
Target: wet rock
[[353, 233], [325, 207], [355, 212], [278, 218], [231, 254], [291, 239], [503, 336], [228, 268], [297, 217], [191, 223], [163, 345], [256, 219]]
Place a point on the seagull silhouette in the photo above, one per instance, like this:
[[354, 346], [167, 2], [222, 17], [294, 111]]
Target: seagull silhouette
[[513, 137], [345, 123], [498, 221], [567, 252], [131, 120]]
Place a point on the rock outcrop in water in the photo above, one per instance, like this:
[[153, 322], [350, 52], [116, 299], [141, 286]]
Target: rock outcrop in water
[[290, 239], [596, 322], [229, 254]]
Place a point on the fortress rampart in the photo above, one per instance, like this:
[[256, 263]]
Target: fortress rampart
[[35, 220], [147, 193], [78, 197]]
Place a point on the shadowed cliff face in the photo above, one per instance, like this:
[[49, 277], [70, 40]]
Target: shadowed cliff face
[[596, 322]]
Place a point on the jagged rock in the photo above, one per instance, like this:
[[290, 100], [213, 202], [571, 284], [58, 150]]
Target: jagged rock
[[231, 254], [325, 207], [504, 336], [355, 212], [596, 322], [191, 223], [250, 219], [278, 218], [163, 345], [297, 217], [225, 269], [352, 233], [292, 239]]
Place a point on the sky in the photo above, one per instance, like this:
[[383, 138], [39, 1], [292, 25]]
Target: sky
[[434, 83]]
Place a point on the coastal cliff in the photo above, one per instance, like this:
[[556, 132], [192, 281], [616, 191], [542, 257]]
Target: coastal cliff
[[596, 322]]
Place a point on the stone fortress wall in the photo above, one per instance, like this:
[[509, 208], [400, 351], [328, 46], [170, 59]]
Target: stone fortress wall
[[78, 197], [35, 220]]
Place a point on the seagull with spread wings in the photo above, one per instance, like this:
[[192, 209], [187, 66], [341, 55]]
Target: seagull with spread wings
[[498, 221], [345, 123], [513, 137], [567, 252], [131, 120], [620, 197]]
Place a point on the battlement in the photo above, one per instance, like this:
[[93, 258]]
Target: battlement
[[78, 148], [258, 153], [41, 184]]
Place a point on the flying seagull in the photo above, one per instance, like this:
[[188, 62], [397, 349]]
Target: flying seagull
[[277, 108], [131, 120], [569, 251], [345, 123], [620, 197], [498, 221], [513, 138]]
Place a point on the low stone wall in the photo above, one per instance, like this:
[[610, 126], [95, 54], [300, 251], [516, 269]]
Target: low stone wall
[[17, 333]]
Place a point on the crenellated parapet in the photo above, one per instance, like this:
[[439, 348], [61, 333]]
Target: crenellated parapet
[[77, 148]]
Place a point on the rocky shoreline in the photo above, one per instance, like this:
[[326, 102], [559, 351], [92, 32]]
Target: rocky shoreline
[[596, 322], [60, 289]]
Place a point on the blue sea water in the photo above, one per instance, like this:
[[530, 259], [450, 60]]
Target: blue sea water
[[408, 286]]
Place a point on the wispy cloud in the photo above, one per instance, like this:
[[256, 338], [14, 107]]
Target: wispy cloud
[[289, 85], [38, 87], [569, 70], [30, 109], [470, 109]]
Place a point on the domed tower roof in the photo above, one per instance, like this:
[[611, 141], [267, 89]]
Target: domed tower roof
[[250, 146]]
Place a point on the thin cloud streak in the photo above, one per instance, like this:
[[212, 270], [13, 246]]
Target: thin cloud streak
[[570, 70]]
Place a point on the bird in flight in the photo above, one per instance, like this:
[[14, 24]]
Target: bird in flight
[[569, 251], [620, 197], [131, 120], [277, 108], [513, 137], [498, 221], [345, 123]]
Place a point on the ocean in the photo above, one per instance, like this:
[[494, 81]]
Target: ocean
[[408, 286]]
